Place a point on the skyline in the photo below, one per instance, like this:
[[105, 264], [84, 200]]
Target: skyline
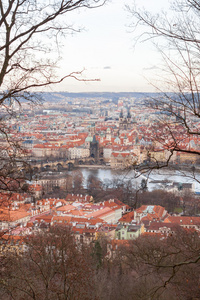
[[106, 50]]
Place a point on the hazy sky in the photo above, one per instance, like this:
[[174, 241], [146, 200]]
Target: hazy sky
[[106, 50]]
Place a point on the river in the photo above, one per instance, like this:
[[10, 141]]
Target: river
[[157, 179]]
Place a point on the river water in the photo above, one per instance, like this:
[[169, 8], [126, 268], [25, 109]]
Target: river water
[[158, 179]]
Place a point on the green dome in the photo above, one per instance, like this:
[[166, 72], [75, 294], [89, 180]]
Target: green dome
[[89, 139]]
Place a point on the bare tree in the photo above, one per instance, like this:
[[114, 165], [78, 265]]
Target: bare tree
[[28, 30], [95, 188], [31, 33], [163, 268], [176, 37], [176, 132], [52, 267], [78, 182]]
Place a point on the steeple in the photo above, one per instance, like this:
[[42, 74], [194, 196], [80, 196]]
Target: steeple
[[128, 114], [121, 114], [94, 139], [136, 140]]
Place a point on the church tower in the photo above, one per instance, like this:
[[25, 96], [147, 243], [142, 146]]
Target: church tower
[[94, 148], [128, 119], [125, 122]]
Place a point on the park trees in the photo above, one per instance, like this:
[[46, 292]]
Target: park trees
[[51, 267], [165, 268], [155, 268]]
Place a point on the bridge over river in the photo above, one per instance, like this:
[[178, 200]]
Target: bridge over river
[[40, 165]]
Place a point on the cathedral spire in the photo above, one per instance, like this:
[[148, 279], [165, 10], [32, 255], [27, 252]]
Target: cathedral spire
[[128, 114]]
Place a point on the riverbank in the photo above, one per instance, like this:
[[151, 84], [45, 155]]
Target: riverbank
[[156, 179], [183, 168], [93, 167]]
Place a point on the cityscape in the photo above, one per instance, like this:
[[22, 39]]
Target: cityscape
[[67, 139], [99, 171]]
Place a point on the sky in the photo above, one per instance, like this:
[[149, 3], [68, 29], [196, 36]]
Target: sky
[[105, 49]]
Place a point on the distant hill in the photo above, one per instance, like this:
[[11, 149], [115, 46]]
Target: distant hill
[[59, 96]]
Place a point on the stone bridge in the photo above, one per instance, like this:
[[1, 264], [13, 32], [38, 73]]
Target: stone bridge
[[58, 164]]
